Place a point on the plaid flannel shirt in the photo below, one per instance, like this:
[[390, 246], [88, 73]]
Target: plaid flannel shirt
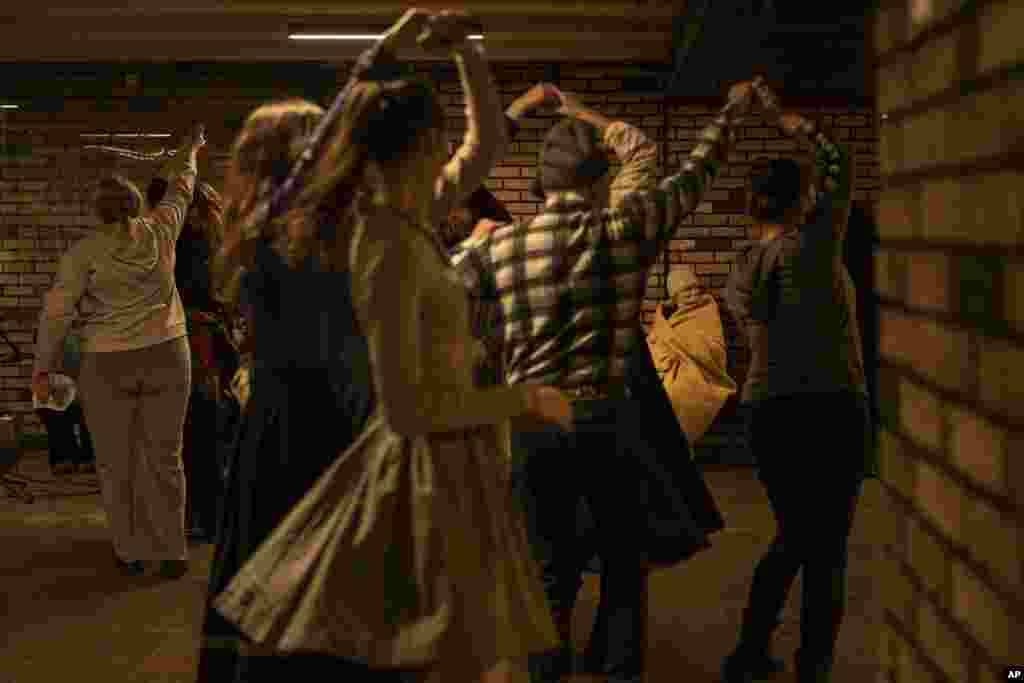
[[570, 282]]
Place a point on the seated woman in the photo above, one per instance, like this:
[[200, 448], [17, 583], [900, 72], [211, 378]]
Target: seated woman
[[69, 451]]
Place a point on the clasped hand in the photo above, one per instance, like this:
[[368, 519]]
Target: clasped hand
[[434, 32]]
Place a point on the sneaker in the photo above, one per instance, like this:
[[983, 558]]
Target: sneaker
[[173, 569]]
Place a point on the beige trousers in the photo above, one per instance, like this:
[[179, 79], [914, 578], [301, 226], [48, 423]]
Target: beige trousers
[[135, 403]]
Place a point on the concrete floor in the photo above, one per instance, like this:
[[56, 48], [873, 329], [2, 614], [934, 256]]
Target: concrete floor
[[66, 614]]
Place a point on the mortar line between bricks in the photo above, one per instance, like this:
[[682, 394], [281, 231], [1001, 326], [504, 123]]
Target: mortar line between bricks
[[951, 95], [921, 590], [1014, 603], [923, 656], [966, 12], [955, 398], [971, 249], [1011, 160], [1003, 504], [996, 329]]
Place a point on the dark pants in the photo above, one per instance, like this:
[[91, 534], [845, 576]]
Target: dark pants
[[61, 440], [201, 460], [552, 471], [813, 488]]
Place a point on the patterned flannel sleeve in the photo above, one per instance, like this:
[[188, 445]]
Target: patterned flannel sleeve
[[654, 214], [486, 134], [168, 216], [833, 164], [639, 157]]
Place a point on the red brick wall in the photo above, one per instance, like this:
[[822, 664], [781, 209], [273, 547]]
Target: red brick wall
[[951, 338], [44, 198]]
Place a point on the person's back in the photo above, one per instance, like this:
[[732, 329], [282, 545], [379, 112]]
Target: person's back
[[570, 284], [303, 325], [130, 300]]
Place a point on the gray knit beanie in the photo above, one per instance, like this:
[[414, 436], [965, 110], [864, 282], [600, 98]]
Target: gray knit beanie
[[571, 158]]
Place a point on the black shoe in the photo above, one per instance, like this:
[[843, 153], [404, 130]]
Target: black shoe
[[173, 569], [134, 568], [741, 667]]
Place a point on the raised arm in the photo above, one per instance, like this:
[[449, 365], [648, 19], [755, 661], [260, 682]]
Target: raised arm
[[832, 161], [654, 214], [533, 98], [486, 135], [180, 172]]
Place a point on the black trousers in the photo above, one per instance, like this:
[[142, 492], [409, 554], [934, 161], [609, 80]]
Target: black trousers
[[813, 487], [201, 461], [552, 471], [63, 445]]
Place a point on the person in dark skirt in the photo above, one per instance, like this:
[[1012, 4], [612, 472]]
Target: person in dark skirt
[[314, 389]]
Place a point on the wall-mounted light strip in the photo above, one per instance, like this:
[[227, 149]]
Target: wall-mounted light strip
[[350, 36], [125, 135], [10, 106]]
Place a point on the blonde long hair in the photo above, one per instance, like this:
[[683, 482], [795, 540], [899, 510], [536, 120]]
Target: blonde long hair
[[384, 149]]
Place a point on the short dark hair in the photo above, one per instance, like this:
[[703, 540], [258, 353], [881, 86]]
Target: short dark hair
[[774, 187]]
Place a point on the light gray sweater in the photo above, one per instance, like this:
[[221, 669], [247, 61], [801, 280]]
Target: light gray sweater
[[121, 290]]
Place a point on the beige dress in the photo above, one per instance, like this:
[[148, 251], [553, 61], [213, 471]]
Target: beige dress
[[408, 552]]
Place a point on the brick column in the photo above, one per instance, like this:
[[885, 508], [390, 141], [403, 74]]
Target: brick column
[[948, 274]]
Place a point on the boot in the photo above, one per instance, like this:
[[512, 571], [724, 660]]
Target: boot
[[752, 660]]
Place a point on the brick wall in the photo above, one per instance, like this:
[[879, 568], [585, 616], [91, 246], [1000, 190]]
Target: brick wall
[[949, 281], [43, 198]]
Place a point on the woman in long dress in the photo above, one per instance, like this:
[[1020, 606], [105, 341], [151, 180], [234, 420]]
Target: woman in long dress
[[415, 561]]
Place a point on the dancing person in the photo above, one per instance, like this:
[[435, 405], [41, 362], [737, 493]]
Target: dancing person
[[796, 304], [67, 438], [570, 284], [118, 283], [425, 457], [479, 214], [214, 356], [306, 388]]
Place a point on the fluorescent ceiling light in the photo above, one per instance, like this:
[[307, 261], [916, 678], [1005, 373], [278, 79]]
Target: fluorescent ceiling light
[[125, 135], [10, 106], [350, 36]]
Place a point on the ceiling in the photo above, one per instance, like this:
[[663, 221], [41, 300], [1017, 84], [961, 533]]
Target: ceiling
[[257, 31]]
